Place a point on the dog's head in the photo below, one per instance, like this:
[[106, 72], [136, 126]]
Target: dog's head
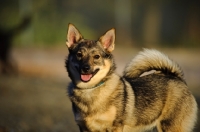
[[89, 62]]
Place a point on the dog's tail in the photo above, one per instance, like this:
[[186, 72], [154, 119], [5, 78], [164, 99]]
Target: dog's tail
[[151, 59]]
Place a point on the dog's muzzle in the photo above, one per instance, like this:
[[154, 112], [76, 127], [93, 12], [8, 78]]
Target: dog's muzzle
[[86, 73]]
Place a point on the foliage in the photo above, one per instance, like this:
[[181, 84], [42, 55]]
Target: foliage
[[144, 23]]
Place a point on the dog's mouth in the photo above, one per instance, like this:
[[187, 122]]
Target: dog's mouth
[[87, 77]]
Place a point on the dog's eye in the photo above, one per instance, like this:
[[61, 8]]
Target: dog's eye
[[79, 55], [96, 56]]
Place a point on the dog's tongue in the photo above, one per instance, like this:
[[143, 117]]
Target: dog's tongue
[[86, 77]]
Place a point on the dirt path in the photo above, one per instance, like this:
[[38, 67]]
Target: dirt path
[[50, 62]]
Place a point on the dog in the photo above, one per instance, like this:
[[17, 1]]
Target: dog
[[137, 101]]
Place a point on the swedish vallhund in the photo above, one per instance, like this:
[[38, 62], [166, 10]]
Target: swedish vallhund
[[103, 101]]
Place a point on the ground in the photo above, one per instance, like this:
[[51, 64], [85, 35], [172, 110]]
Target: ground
[[35, 99]]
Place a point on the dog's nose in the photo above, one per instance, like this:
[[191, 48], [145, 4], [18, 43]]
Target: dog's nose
[[86, 68]]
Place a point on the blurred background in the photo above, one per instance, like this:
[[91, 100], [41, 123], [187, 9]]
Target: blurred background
[[33, 78]]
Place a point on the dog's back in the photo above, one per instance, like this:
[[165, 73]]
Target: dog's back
[[161, 97]]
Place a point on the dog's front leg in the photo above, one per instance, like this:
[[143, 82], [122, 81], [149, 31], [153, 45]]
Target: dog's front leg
[[82, 127]]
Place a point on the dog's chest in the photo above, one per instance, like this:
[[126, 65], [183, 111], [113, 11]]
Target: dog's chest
[[97, 121]]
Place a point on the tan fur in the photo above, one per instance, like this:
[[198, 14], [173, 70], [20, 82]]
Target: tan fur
[[104, 115], [152, 93], [148, 60], [95, 121]]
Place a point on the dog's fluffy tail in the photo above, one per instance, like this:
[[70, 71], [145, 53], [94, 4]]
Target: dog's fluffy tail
[[151, 59]]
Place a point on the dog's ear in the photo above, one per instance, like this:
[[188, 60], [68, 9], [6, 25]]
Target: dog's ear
[[108, 40], [73, 35]]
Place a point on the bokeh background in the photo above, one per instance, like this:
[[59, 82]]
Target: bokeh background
[[33, 78]]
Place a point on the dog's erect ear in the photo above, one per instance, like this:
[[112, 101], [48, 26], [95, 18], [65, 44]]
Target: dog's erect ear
[[73, 35], [108, 40]]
